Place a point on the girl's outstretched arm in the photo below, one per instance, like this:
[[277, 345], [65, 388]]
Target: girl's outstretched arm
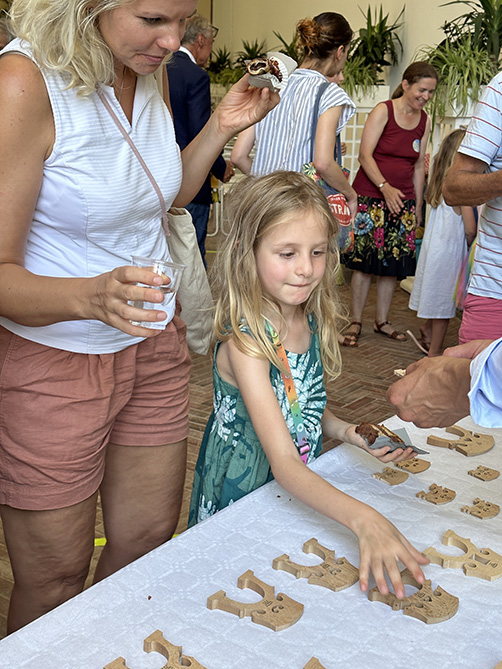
[[335, 428], [381, 545]]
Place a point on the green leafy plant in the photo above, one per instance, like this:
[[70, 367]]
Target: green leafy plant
[[359, 76], [483, 23], [227, 77], [378, 44], [221, 59], [289, 48], [250, 50], [463, 67]]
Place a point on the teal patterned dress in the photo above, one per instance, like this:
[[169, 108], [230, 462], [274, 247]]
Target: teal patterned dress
[[231, 460]]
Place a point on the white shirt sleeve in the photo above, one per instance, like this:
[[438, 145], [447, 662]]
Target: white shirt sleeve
[[485, 395]]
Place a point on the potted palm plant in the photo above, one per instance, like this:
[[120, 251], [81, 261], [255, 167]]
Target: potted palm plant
[[376, 47]]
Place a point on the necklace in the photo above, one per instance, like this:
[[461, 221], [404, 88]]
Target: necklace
[[121, 89]]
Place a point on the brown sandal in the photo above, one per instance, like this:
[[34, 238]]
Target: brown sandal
[[398, 336], [351, 338]]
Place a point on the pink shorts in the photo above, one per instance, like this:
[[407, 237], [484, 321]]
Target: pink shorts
[[482, 319], [58, 410]]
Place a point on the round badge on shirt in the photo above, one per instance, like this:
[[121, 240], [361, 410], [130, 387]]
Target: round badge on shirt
[[416, 145]]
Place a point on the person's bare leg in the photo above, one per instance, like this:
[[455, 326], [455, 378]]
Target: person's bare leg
[[141, 497], [438, 333], [386, 286], [50, 552], [359, 288]]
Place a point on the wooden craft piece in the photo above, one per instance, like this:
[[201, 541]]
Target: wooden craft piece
[[331, 573], [482, 509], [469, 444], [437, 494], [313, 664], [413, 465], [484, 473], [157, 643], [391, 476], [426, 605], [481, 563], [277, 613]]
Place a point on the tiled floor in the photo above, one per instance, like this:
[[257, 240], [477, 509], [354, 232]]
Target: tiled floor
[[358, 394]]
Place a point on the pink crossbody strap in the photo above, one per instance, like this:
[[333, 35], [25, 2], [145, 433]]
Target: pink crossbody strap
[[138, 155]]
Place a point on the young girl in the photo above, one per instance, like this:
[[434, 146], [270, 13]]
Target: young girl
[[274, 280], [448, 233]]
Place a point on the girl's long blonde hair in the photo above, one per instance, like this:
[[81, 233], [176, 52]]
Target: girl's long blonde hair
[[253, 207], [64, 37], [442, 163]]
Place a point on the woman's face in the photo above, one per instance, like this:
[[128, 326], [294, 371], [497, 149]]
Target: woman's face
[[419, 93], [141, 33]]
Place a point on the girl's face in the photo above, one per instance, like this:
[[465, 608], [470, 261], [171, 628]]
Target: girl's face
[[141, 33], [419, 93], [291, 259]]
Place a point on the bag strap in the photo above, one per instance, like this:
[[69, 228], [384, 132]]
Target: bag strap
[[289, 384], [138, 155], [317, 102]]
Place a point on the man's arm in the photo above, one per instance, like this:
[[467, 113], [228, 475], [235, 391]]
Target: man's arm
[[468, 183]]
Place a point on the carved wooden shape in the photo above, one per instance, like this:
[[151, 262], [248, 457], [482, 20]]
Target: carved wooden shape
[[391, 476], [437, 494], [157, 643], [484, 473], [469, 444], [331, 573], [482, 509], [313, 664], [481, 563], [277, 613], [413, 465], [426, 605]]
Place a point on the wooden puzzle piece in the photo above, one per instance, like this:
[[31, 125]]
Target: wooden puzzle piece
[[331, 573], [437, 494], [481, 563], [277, 613], [391, 476], [426, 605], [469, 444], [482, 509], [484, 473], [157, 643], [413, 465], [313, 664]]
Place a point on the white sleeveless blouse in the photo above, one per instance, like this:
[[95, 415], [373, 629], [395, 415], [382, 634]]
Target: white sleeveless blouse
[[96, 206]]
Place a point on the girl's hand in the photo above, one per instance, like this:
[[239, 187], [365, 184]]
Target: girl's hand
[[393, 198], [242, 106], [110, 293], [383, 454], [381, 547]]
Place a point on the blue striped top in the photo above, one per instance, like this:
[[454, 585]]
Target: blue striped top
[[283, 137]]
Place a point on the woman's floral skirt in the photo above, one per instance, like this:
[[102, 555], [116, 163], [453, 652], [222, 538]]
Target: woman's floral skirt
[[384, 243]]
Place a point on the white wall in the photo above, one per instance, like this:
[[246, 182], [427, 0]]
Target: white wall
[[257, 20]]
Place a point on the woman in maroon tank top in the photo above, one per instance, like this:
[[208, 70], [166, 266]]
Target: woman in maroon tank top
[[389, 185]]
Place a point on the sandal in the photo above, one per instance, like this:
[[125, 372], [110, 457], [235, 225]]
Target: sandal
[[398, 336], [350, 339]]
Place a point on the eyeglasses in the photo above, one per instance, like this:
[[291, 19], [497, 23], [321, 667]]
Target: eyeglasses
[[215, 31]]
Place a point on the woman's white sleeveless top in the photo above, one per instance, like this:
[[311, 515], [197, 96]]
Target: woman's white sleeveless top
[[96, 206]]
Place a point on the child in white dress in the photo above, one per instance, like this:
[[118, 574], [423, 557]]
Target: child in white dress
[[448, 234]]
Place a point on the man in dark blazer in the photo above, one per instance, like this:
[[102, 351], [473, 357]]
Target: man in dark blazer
[[190, 96]]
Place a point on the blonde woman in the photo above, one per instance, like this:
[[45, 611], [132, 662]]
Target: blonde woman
[[276, 314], [91, 402]]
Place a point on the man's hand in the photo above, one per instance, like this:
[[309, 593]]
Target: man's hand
[[433, 393]]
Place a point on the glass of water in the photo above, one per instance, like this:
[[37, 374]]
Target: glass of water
[[173, 271]]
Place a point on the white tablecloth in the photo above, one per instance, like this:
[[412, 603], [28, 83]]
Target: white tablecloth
[[168, 588]]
